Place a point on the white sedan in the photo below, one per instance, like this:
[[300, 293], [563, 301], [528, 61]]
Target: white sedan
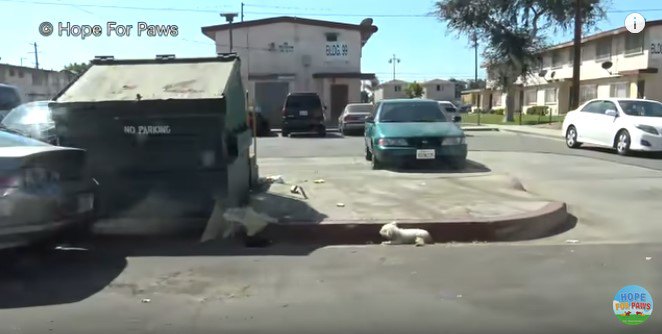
[[624, 124]]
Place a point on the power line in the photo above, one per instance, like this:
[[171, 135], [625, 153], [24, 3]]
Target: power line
[[215, 11], [281, 7]]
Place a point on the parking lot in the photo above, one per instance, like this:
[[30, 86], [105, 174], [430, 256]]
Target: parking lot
[[171, 286]]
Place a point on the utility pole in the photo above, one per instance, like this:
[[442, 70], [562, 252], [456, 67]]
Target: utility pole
[[242, 12], [36, 56], [394, 61], [229, 18], [475, 40], [577, 52]]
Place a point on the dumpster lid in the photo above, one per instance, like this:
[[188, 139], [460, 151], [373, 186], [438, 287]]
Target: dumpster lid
[[151, 79]]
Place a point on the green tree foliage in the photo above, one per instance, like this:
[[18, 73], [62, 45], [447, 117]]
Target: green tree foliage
[[414, 90], [513, 32]]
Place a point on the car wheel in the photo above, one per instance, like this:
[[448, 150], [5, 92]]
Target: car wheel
[[458, 164], [343, 131], [368, 155], [285, 134], [623, 142], [376, 164], [571, 137], [322, 132]]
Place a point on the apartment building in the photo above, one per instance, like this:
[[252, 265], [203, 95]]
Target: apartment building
[[34, 84], [614, 63]]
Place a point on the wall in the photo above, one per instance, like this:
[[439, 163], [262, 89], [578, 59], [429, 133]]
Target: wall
[[447, 92], [252, 45], [34, 84], [388, 92]]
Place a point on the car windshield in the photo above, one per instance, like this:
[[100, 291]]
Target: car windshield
[[303, 101], [411, 112], [28, 113], [8, 139], [359, 108], [641, 108]]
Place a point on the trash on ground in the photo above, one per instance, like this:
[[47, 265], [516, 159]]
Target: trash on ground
[[648, 258], [572, 241], [253, 221], [340, 205], [298, 190], [275, 179], [459, 296], [146, 300], [318, 181]]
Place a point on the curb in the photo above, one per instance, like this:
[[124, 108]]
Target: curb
[[476, 128], [531, 225], [533, 133]]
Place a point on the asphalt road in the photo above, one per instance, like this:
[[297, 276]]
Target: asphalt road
[[336, 145], [549, 285]]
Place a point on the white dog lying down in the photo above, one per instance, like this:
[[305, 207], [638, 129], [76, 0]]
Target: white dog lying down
[[397, 236]]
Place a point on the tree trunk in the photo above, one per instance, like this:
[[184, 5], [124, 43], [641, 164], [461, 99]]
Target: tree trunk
[[509, 115]]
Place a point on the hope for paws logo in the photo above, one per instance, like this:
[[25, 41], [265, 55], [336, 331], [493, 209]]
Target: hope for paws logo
[[633, 305]]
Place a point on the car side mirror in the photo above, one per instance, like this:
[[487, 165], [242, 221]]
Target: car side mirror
[[611, 112], [369, 119], [457, 119]]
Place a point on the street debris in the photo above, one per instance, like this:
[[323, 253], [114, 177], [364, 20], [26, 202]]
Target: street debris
[[298, 190], [340, 205], [648, 258], [146, 300], [572, 241], [253, 221], [458, 296], [275, 179], [319, 181]]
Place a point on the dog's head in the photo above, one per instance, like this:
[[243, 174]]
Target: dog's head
[[388, 230]]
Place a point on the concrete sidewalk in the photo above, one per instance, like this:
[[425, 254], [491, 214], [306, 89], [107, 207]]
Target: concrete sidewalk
[[354, 201], [524, 129]]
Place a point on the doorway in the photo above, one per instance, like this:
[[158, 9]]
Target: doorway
[[641, 89], [339, 100]]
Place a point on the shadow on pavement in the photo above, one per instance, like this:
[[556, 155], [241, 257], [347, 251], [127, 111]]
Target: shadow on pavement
[[329, 135], [31, 278], [472, 167], [635, 154]]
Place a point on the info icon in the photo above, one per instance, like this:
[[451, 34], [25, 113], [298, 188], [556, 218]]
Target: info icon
[[635, 23]]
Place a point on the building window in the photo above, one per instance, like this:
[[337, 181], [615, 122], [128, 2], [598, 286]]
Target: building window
[[634, 43], [587, 92], [331, 37], [531, 97], [397, 88], [556, 59], [571, 56], [603, 49], [11, 72], [551, 95], [496, 99], [438, 88], [619, 90]]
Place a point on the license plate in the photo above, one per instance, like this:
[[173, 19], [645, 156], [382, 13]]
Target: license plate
[[425, 154], [85, 203], [303, 113]]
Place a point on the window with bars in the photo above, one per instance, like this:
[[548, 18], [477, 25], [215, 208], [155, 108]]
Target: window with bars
[[603, 49], [551, 95], [587, 92], [531, 96], [397, 88], [619, 90], [557, 59], [634, 43]]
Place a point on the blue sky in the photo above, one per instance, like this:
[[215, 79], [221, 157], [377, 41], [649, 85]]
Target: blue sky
[[407, 34]]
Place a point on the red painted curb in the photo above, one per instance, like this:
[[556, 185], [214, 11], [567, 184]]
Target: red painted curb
[[531, 225]]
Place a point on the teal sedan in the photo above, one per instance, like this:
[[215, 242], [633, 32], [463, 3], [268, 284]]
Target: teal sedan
[[404, 132]]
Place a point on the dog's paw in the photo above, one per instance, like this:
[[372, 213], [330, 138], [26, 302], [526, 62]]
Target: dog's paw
[[419, 242]]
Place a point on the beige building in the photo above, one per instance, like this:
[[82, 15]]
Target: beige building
[[440, 90], [615, 63], [287, 54], [35, 84], [394, 89]]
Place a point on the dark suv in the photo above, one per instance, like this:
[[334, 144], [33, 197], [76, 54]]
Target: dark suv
[[303, 112]]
